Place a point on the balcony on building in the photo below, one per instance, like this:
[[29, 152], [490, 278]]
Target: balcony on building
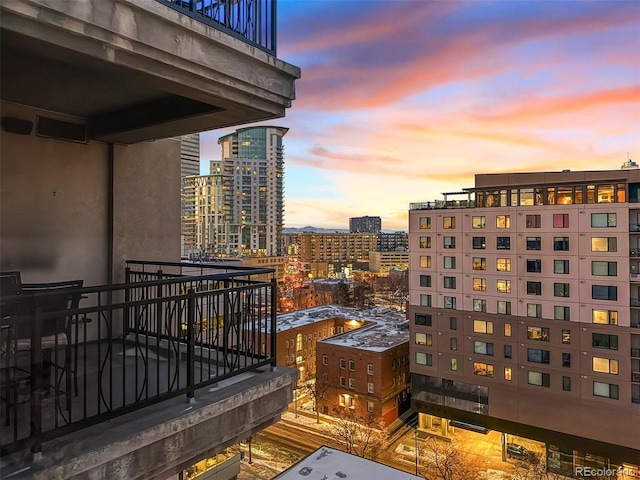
[[157, 366]]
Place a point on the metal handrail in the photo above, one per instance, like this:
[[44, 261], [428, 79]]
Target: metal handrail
[[205, 328]]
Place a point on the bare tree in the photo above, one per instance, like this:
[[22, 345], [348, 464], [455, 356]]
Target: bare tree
[[317, 391], [362, 436], [445, 461]]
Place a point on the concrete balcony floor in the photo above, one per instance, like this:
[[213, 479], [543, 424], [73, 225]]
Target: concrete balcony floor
[[154, 442]]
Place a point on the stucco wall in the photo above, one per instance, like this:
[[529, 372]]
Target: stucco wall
[[53, 206]]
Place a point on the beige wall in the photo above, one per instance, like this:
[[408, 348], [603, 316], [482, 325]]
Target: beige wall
[[54, 205]]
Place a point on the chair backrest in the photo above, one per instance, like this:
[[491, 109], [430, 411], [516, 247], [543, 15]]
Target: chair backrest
[[48, 298], [10, 283]]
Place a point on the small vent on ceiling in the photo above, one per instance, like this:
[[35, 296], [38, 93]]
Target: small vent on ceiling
[[52, 128]]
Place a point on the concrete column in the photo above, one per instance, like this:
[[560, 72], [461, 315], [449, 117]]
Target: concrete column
[[445, 427]]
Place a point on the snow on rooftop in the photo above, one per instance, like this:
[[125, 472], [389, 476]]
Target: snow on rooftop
[[384, 328], [329, 464]]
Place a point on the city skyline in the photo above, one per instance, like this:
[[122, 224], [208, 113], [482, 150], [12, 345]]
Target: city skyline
[[401, 101]]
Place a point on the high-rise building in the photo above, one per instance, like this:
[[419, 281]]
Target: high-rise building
[[253, 159], [189, 155], [525, 311], [392, 242], [365, 225]]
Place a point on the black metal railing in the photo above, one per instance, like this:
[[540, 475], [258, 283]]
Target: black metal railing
[[253, 21], [159, 335]]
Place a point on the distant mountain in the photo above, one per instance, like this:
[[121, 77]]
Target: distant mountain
[[314, 230]]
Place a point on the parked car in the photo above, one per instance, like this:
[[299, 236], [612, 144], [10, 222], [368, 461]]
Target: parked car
[[517, 451]]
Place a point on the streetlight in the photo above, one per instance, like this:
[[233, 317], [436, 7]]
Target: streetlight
[[415, 442]]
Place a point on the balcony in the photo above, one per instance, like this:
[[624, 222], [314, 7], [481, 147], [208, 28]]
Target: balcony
[[179, 351], [142, 70], [635, 352]]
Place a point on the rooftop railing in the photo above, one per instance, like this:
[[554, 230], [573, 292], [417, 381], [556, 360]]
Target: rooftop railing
[[170, 330], [253, 21]]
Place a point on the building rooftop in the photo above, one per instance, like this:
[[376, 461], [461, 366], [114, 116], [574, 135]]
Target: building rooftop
[[329, 464]]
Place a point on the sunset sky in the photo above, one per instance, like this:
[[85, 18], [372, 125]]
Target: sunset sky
[[401, 100]]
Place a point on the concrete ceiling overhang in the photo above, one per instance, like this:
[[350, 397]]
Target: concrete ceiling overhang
[[136, 71]]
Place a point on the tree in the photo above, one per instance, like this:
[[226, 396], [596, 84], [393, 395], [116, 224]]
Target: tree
[[445, 461], [343, 295], [316, 390], [362, 436]]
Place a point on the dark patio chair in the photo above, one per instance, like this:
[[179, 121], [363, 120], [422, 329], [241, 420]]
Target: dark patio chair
[[10, 287]]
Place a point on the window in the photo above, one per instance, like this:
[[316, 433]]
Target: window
[[538, 378], [534, 243], [479, 243], [503, 221], [425, 300], [507, 351], [450, 302], [604, 317], [454, 364], [343, 364], [503, 243], [449, 222], [603, 220], [425, 261], [479, 285], [352, 365], [566, 384], [560, 220], [507, 373], [601, 340], [566, 337], [369, 368], [478, 222], [561, 312], [532, 221], [370, 406], [604, 292], [560, 289], [453, 323], [325, 360], [534, 265], [424, 359], [479, 263], [425, 280], [561, 243], [534, 310], [503, 264], [566, 360], [538, 333], [479, 305], [483, 326], [299, 342], [453, 343], [504, 286], [483, 369], [424, 339], [425, 222], [561, 266], [503, 308], [352, 383], [449, 242], [605, 365], [507, 329], [449, 262], [483, 348], [607, 390], [423, 319], [370, 387], [604, 244], [534, 288], [450, 282], [343, 382], [604, 269], [425, 242]]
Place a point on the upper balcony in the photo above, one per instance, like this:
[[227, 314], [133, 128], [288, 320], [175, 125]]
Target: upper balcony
[[117, 381], [128, 71]]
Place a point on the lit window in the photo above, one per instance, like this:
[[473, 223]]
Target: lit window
[[425, 261], [479, 263], [604, 244], [503, 264], [504, 286], [507, 373], [424, 339], [503, 221], [478, 222], [480, 284], [483, 369], [566, 336], [604, 317], [605, 365], [449, 222], [483, 326], [507, 329], [425, 222], [454, 364], [538, 333]]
